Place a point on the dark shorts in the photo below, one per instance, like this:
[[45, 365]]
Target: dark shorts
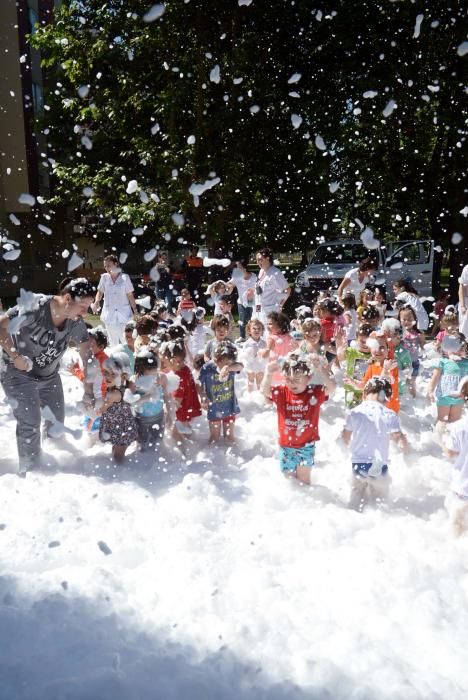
[[415, 365], [365, 469]]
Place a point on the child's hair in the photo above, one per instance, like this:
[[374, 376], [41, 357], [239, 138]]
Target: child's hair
[[391, 325], [370, 313], [381, 291], [99, 336], [219, 321], [280, 320], [130, 327], [450, 318], [254, 322], [198, 362], [331, 306], [349, 301], [200, 313], [77, 287], [184, 290], [159, 308], [173, 348], [408, 307], [119, 366], [405, 286], [146, 325], [364, 294], [296, 363], [145, 359], [225, 349], [303, 312], [380, 386], [310, 324], [173, 332], [227, 298], [365, 329], [217, 285], [455, 343]]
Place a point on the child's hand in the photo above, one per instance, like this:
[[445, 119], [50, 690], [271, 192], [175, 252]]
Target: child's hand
[[271, 343], [272, 367], [204, 403], [430, 396], [389, 365]]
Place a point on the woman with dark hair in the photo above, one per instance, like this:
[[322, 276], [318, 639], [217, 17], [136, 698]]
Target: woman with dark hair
[[272, 288], [355, 280], [34, 334], [405, 293], [245, 282], [119, 302]]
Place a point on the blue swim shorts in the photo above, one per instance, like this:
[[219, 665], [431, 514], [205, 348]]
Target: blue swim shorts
[[362, 469], [293, 457]]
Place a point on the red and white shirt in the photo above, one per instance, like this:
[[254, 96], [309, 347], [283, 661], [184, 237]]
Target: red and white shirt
[[298, 414]]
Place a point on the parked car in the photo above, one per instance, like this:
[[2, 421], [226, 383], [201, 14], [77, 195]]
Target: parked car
[[409, 260]]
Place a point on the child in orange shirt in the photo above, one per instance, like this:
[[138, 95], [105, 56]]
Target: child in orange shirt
[[381, 366]]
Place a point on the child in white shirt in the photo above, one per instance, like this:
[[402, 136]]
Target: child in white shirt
[[456, 447], [368, 430]]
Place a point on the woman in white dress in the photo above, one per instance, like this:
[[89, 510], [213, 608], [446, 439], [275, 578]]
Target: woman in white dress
[[463, 301], [119, 302], [406, 293], [356, 279]]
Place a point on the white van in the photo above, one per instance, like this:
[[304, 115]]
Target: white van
[[409, 260]]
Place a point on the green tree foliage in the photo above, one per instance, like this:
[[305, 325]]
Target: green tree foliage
[[312, 115]]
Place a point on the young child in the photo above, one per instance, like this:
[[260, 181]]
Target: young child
[[439, 310], [380, 302], [197, 336], [225, 309], [251, 359], [447, 374], [186, 395], [382, 366], [152, 408], [217, 391], [298, 404], [365, 297], [146, 326], [355, 358], [350, 317], [330, 310], [129, 346], [117, 425], [312, 334], [216, 291], [448, 326], [368, 428], [186, 302], [279, 342], [456, 447], [220, 326], [393, 332], [412, 340], [94, 385], [371, 316]]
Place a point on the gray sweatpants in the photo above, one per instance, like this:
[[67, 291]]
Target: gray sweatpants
[[28, 394]]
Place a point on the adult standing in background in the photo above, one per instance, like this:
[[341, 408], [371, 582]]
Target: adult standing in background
[[245, 283], [193, 270], [164, 285], [34, 335], [272, 288], [463, 301], [355, 280], [119, 302]]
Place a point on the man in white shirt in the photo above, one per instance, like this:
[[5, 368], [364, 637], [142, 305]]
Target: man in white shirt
[[272, 288]]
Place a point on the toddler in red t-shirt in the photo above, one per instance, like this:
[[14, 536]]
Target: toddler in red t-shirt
[[298, 402]]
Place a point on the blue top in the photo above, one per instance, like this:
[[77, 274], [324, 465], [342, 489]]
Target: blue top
[[220, 392]]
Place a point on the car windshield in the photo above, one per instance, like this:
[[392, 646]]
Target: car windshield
[[345, 254]]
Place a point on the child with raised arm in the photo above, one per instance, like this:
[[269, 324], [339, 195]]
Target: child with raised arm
[[355, 359], [369, 428], [217, 391], [153, 407], [185, 396], [298, 402]]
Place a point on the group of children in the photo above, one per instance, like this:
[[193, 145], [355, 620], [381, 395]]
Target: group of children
[[170, 370]]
